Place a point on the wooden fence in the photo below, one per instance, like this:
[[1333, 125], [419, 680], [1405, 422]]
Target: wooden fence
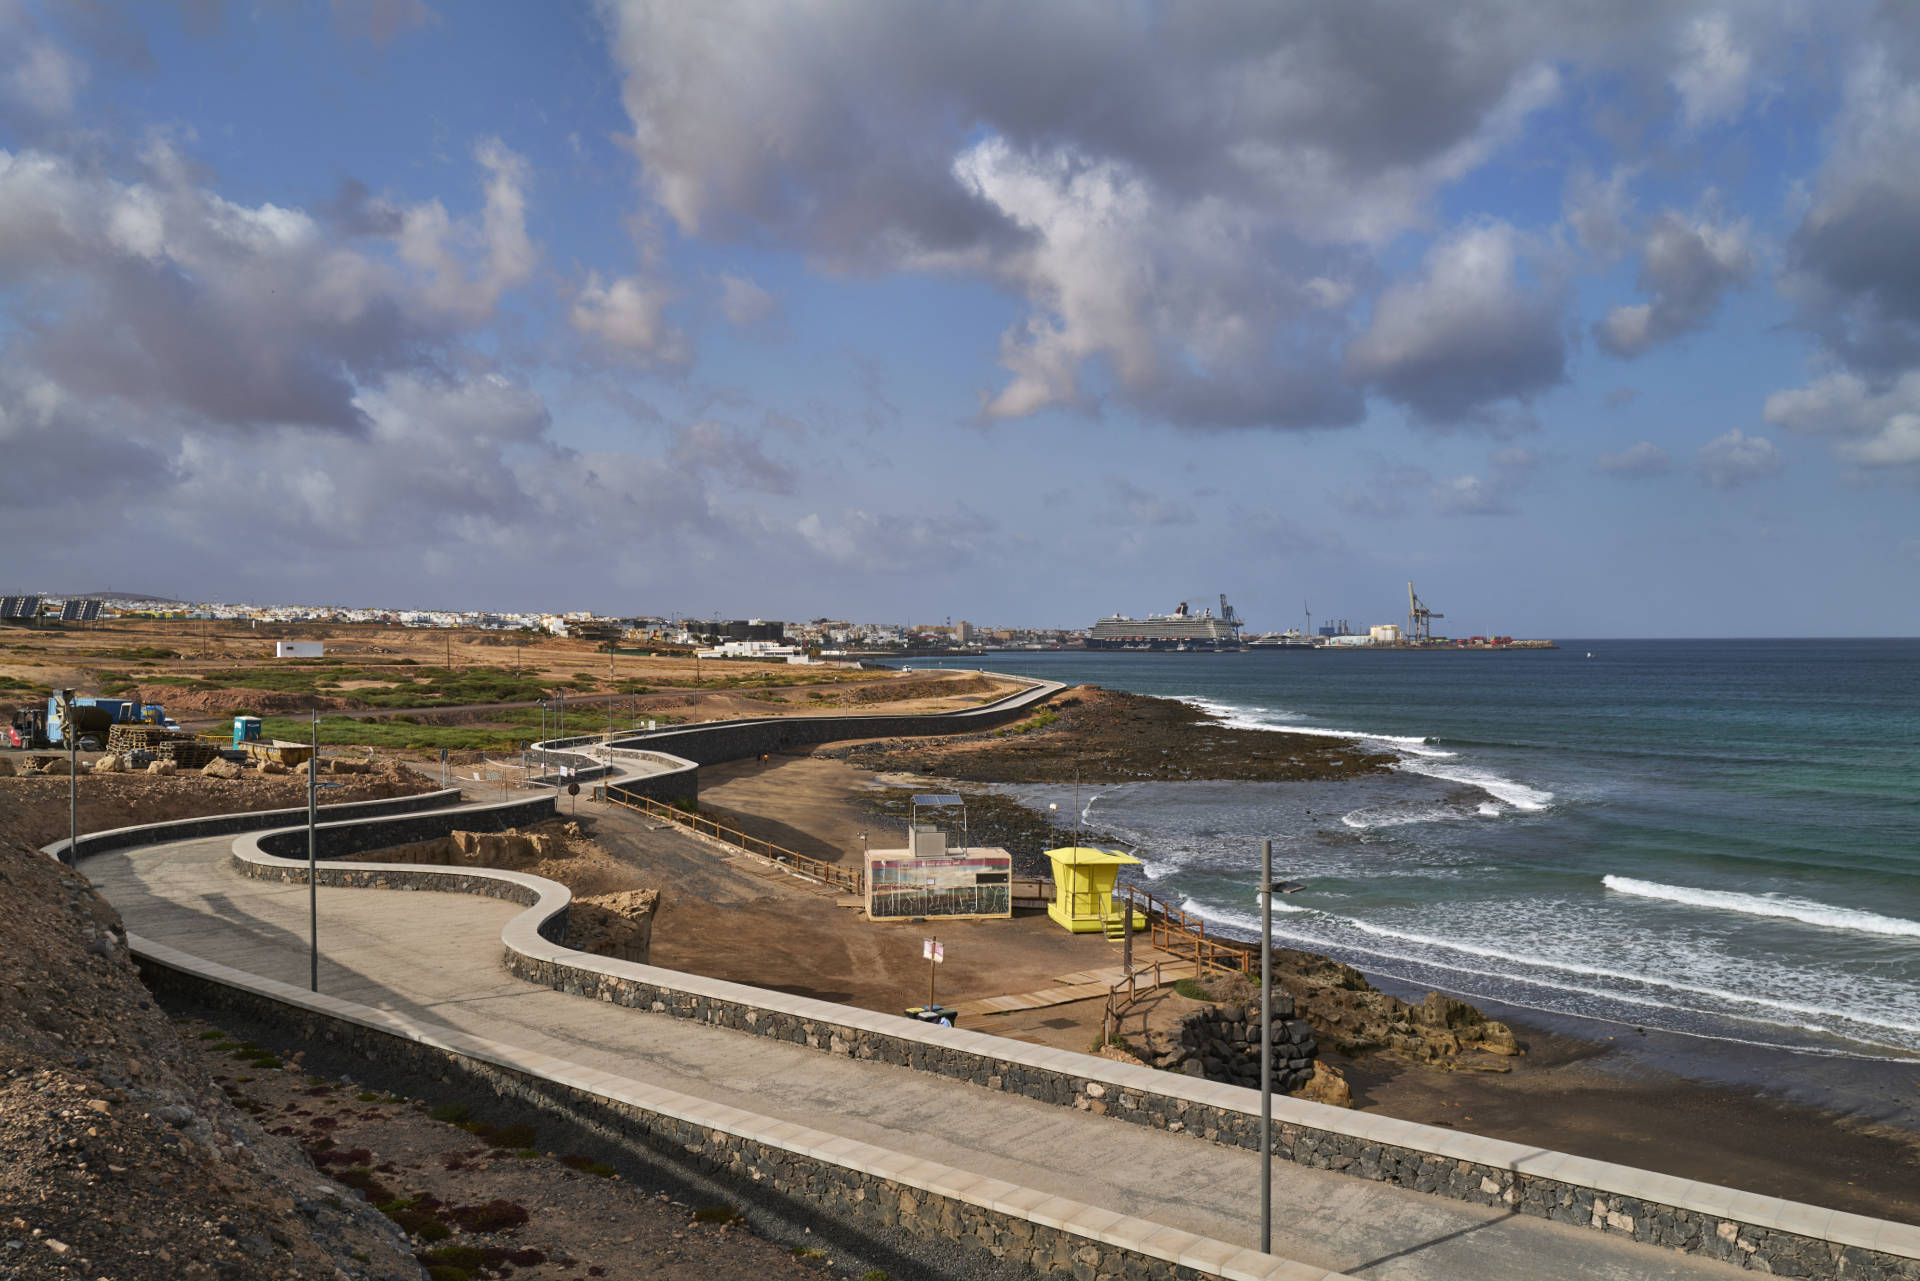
[[850, 880], [1174, 930]]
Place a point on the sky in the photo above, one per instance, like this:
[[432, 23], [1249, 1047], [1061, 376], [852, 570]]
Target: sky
[[1590, 319]]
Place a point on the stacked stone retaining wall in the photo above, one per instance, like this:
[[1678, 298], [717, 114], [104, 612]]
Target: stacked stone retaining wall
[[1222, 1043], [966, 1224]]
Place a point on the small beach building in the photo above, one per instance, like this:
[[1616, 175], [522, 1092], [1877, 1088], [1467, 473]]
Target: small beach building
[[1083, 879]]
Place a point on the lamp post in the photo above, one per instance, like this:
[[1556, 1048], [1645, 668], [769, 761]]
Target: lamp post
[[313, 879], [1268, 888], [72, 729]]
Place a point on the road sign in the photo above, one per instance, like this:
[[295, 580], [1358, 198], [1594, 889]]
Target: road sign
[[573, 789]]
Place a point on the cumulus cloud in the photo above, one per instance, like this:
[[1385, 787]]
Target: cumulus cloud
[[628, 316], [1597, 211], [38, 79], [1187, 201], [1873, 427], [1714, 72], [1735, 458], [160, 291], [1467, 332], [1685, 267], [1855, 257], [744, 303], [1854, 271], [1641, 459], [434, 243]]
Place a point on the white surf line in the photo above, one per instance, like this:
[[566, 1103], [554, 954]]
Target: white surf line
[[1805, 911]]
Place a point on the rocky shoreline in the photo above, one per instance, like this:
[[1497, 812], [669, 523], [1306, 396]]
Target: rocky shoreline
[[1106, 736]]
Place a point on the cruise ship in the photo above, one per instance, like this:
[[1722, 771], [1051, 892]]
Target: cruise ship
[[1180, 630]]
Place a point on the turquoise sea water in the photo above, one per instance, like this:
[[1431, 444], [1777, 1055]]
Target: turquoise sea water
[[1714, 838]]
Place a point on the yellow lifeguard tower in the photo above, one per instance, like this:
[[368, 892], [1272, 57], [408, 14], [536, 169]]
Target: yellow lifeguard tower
[[1083, 888]]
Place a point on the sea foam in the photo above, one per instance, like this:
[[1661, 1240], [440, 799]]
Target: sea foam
[[1806, 911], [1564, 975], [1498, 786], [1237, 716]]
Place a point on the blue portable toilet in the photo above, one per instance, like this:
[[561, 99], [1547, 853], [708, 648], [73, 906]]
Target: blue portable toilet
[[246, 729]]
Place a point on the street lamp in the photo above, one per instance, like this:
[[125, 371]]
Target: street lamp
[[1267, 890]]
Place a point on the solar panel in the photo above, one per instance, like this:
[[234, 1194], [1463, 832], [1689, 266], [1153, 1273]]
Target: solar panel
[[71, 610], [91, 612], [19, 606]]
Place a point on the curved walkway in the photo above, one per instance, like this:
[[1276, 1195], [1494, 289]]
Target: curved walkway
[[436, 958]]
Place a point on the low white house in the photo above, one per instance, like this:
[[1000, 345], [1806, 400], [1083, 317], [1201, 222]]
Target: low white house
[[299, 649]]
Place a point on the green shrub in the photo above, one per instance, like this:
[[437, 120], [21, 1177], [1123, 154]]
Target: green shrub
[[1193, 990], [451, 1112], [716, 1214]]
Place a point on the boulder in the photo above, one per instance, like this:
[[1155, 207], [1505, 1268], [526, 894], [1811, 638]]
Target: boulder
[[6, 767], [1445, 1012], [273, 767], [109, 764], [221, 767], [54, 765], [340, 765], [618, 925], [1497, 1038], [1327, 1086], [163, 768]]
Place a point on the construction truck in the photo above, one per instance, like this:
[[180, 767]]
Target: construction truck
[[88, 721]]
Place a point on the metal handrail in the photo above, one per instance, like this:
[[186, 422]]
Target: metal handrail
[[854, 882]]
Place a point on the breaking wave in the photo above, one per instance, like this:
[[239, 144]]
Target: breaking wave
[[1806, 911]]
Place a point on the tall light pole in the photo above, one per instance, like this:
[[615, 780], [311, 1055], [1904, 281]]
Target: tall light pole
[[1266, 1047], [72, 730], [313, 880]]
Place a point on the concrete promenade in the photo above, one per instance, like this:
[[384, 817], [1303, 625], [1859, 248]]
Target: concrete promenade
[[436, 957]]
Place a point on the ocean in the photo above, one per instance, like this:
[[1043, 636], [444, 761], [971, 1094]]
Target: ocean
[[1717, 839]]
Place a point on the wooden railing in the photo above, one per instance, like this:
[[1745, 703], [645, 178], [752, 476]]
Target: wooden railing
[[1173, 930], [853, 882]]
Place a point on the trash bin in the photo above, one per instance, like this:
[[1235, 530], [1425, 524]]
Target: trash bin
[[934, 1014]]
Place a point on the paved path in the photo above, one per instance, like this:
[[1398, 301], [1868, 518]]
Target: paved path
[[1081, 985], [437, 957]]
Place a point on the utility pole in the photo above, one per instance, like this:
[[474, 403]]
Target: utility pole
[[313, 858], [1266, 1047], [72, 731]]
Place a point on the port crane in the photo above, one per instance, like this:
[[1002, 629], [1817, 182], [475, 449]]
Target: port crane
[[1419, 618]]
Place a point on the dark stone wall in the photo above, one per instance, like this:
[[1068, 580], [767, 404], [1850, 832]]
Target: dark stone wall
[[336, 840], [121, 838], [945, 1236], [1222, 1043]]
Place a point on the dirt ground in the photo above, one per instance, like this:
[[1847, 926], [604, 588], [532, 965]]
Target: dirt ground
[[736, 917], [121, 1158], [494, 1200], [34, 809], [34, 661]]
